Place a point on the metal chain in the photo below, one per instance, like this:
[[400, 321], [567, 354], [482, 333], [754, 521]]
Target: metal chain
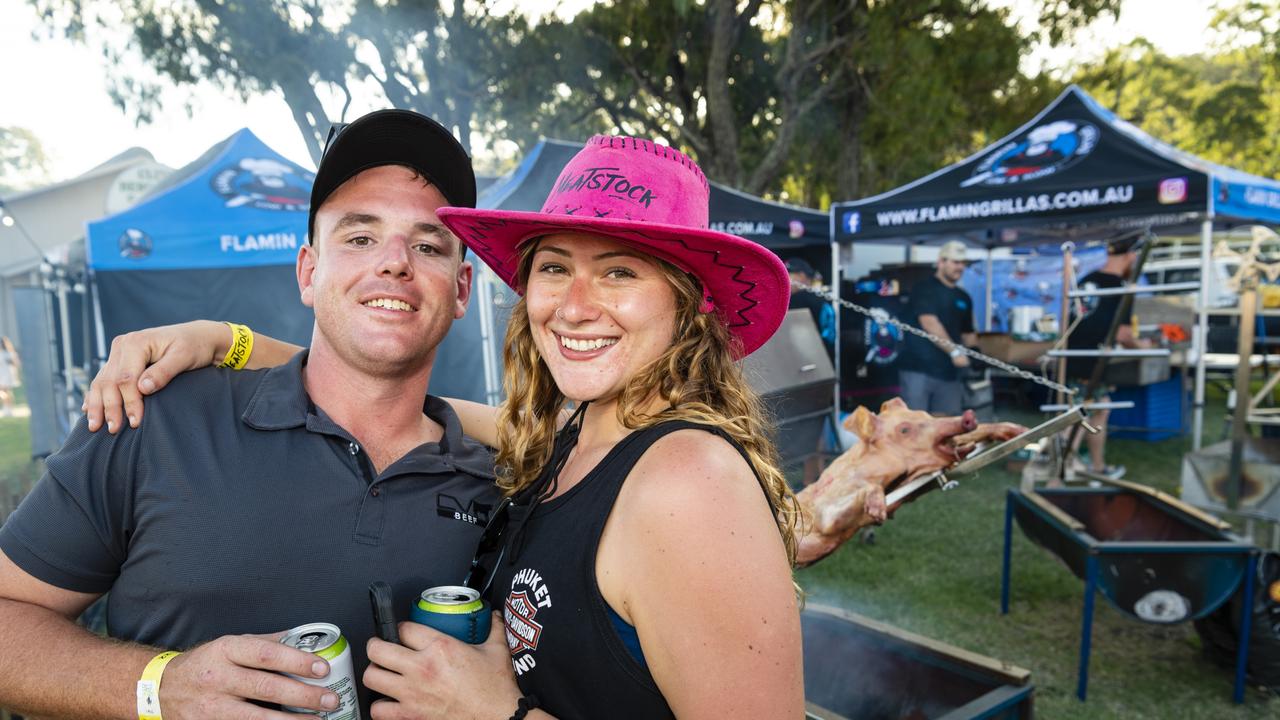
[[824, 292]]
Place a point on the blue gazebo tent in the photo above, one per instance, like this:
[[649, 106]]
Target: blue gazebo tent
[[219, 239]]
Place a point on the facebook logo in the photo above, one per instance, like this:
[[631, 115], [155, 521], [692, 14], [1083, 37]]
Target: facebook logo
[[852, 221]]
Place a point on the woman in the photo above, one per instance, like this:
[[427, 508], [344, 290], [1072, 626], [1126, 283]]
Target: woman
[[646, 569]]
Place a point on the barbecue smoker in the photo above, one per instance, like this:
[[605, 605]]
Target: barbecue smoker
[[858, 669], [794, 376]]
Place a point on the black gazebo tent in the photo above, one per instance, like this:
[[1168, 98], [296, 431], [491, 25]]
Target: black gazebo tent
[[1075, 170]]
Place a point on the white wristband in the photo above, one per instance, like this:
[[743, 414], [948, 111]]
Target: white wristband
[[956, 352]]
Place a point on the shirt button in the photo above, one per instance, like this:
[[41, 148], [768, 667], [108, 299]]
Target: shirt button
[[353, 448], [375, 492]]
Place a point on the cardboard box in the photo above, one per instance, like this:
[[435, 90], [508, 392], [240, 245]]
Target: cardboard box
[[1002, 346]]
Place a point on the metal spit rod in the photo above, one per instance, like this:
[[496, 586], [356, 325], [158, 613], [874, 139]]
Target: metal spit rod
[[1052, 426], [1135, 290], [1110, 352], [1114, 405]]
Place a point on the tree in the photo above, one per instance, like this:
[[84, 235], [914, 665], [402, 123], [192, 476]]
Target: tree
[[826, 98], [23, 163], [879, 92], [1222, 105], [421, 54]]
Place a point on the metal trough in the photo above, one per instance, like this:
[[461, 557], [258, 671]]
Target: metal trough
[[1152, 556], [857, 668]]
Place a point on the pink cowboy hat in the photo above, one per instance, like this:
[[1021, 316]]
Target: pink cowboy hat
[[654, 199]]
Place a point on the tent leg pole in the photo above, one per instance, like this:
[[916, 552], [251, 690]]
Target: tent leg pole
[[988, 311], [1201, 336], [835, 294]]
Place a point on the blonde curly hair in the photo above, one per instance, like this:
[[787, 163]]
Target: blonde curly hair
[[697, 378]]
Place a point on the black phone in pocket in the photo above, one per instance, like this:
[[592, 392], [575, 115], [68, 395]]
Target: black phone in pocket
[[384, 616]]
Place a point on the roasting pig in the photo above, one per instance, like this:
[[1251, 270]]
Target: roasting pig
[[896, 446]]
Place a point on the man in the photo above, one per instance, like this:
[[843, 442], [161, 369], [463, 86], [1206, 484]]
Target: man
[[1091, 333], [256, 501], [929, 374], [824, 316]]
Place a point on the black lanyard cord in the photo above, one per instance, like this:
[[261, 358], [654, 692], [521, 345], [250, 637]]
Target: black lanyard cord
[[548, 480]]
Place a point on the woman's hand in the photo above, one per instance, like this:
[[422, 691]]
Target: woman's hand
[[143, 362], [432, 675]]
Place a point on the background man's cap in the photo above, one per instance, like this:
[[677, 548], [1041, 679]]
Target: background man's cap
[[953, 250], [1128, 242], [800, 265], [394, 137]]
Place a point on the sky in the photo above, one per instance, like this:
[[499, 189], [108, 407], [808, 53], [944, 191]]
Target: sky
[[62, 94]]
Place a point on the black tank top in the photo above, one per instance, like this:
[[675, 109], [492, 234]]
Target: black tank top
[[564, 645]]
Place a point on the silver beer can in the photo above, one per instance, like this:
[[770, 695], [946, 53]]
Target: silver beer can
[[326, 641]]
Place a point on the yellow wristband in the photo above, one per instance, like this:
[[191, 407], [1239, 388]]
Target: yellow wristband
[[241, 347], [149, 686]]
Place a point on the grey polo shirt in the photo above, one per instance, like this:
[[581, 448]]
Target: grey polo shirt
[[240, 507]]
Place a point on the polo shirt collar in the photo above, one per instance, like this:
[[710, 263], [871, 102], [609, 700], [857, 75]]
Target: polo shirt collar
[[281, 402]]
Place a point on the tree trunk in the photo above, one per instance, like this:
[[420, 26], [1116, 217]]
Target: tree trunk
[[849, 158], [308, 115], [724, 164]]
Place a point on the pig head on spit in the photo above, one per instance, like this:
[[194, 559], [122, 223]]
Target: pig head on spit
[[898, 445]]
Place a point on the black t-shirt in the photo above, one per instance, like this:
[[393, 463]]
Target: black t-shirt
[[1092, 330], [954, 309]]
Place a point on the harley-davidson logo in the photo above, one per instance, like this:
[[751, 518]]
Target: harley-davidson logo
[[522, 630]]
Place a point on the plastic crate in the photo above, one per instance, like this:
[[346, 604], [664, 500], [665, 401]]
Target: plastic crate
[[1157, 412]]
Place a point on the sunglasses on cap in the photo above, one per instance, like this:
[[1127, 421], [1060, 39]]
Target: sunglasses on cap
[[334, 130]]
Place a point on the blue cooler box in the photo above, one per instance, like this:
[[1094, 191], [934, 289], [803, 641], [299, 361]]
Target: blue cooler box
[[1157, 413]]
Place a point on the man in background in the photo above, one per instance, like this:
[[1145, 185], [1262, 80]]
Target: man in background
[[930, 373], [824, 316], [1090, 334]]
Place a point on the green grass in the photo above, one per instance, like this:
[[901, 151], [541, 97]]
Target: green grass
[[17, 471], [935, 570]]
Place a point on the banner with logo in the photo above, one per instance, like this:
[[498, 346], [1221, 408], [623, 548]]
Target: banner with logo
[[241, 205], [1244, 196], [1074, 162]]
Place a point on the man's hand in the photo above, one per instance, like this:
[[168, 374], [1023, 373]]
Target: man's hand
[[432, 675], [142, 362], [217, 680], [960, 361]]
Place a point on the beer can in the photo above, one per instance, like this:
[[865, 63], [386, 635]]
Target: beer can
[[454, 610], [327, 642]]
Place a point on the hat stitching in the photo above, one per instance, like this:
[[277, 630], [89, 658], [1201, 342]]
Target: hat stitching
[[663, 151], [478, 233]]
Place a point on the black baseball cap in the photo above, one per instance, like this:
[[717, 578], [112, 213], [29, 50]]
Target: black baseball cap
[[1127, 242], [800, 265], [394, 137]]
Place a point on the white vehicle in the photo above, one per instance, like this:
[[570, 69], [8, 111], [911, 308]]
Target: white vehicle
[[1187, 269]]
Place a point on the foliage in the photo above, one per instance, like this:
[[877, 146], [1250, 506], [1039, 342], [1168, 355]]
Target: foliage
[[824, 99], [23, 162], [1222, 106], [827, 99]]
